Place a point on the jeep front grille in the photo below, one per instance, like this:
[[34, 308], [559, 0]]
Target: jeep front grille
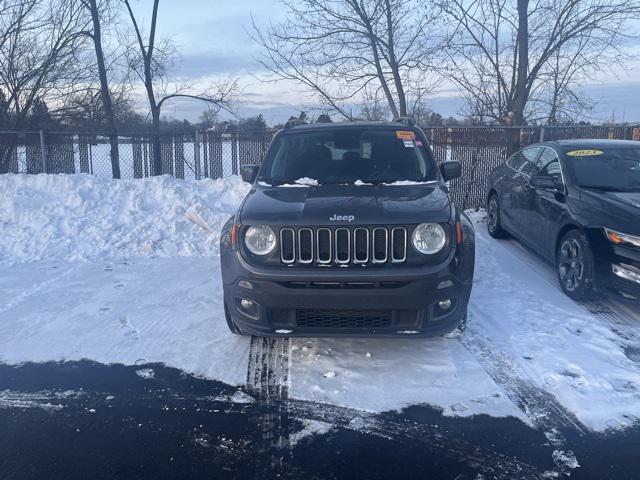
[[343, 246], [343, 319]]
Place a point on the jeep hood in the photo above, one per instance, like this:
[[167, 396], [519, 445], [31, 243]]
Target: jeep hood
[[368, 204]]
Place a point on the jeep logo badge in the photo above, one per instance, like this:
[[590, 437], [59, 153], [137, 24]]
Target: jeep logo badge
[[342, 218]]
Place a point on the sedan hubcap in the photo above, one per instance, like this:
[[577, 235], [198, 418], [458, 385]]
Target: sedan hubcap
[[571, 264]]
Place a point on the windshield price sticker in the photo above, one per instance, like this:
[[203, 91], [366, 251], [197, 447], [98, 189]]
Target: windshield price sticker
[[405, 135], [408, 143], [585, 153]]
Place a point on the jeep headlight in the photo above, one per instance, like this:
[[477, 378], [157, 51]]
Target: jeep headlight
[[621, 238], [260, 240], [429, 238]]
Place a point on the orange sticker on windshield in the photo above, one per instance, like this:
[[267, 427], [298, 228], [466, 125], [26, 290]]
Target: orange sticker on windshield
[[405, 135], [585, 153]]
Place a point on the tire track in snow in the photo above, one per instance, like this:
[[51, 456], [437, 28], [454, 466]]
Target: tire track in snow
[[17, 300], [541, 408], [622, 324], [268, 379], [268, 372]]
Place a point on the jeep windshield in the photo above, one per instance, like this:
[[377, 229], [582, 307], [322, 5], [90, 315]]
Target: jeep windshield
[[608, 169], [339, 156]]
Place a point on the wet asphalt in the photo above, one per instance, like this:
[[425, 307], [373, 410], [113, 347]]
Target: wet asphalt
[[83, 420]]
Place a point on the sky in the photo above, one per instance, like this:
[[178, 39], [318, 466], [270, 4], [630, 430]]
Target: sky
[[214, 43]]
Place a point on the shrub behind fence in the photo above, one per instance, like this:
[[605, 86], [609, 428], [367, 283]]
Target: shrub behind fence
[[209, 154]]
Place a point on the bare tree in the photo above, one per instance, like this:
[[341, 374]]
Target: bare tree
[[341, 50], [502, 51], [152, 64], [98, 13], [40, 43]]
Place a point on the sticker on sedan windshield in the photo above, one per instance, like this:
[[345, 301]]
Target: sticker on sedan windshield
[[405, 135], [408, 143], [585, 153]]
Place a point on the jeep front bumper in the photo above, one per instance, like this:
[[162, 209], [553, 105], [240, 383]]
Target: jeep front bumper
[[406, 301]]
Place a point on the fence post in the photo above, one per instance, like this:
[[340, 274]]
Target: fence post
[[196, 154], [43, 152], [541, 134]]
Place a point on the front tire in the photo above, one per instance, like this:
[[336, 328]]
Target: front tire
[[494, 225], [458, 332], [575, 266]]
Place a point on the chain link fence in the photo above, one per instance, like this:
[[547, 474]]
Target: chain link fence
[[184, 155], [481, 149], [209, 154]]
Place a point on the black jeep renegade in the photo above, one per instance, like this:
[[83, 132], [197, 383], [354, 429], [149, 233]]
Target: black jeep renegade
[[348, 230]]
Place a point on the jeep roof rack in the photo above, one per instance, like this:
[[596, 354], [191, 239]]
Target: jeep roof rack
[[294, 123], [408, 121]]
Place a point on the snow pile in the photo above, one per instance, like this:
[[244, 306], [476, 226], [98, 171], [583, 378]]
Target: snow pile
[[82, 217]]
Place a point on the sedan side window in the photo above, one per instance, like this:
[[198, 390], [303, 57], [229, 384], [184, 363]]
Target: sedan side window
[[516, 160], [552, 169], [532, 165], [550, 165]]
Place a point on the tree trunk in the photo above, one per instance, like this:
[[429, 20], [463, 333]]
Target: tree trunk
[[157, 152], [521, 89], [104, 90], [393, 63]]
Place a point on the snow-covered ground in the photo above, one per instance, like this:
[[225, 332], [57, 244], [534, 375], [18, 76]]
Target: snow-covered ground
[[126, 272]]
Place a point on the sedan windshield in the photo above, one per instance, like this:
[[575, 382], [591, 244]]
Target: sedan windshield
[[346, 156], [610, 169]]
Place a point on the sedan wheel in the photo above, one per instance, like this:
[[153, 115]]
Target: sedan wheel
[[575, 266], [494, 226]]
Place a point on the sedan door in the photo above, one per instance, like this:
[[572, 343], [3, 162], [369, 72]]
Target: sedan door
[[522, 195], [507, 177], [549, 205]]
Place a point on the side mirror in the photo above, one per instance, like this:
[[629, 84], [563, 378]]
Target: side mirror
[[450, 170], [249, 173], [543, 182]]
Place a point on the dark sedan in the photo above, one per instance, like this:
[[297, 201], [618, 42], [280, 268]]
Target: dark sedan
[[577, 203]]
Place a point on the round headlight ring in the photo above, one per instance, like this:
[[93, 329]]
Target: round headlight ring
[[260, 240], [429, 238]]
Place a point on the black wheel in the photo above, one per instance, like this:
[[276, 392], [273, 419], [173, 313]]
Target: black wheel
[[494, 226], [232, 326], [575, 266]]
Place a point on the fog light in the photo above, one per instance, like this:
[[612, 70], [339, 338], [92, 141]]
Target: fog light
[[445, 304], [246, 304], [248, 308], [627, 272]]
